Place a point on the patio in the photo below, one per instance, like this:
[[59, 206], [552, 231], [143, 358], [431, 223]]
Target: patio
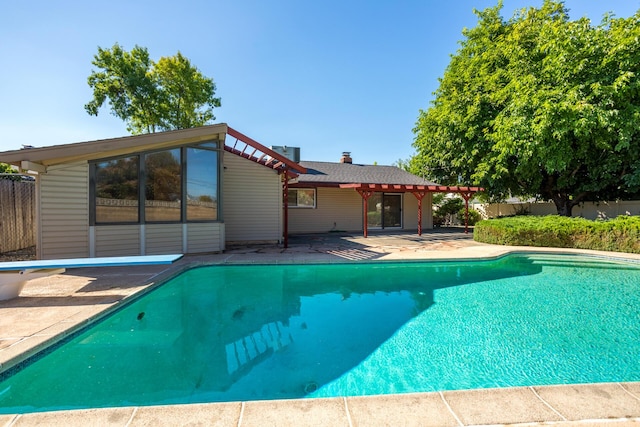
[[50, 308]]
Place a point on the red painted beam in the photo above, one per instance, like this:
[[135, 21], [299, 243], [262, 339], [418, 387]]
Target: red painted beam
[[255, 144]]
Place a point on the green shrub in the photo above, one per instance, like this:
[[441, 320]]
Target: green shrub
[[621, 234], [474, 216]]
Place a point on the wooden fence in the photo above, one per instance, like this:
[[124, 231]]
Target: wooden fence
[[17, 213]]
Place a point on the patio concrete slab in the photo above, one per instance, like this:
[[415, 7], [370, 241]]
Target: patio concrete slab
[[87, 417], [499, 406], [633, 389], [419, 410], [590, 401], [218, 415], [300, 412]]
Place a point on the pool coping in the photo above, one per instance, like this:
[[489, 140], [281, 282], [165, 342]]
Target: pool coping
[[576, 403]]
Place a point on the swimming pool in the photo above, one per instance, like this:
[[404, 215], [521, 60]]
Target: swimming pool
[[226, 333]]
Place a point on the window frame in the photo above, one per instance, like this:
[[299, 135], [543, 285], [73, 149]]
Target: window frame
[[296, 206], [210, 145]]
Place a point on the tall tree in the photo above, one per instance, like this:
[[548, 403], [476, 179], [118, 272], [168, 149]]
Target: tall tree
[[538, 105], [5, 168], [149, 96]]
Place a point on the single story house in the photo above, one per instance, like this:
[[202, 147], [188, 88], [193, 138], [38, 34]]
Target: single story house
[[195, 190]]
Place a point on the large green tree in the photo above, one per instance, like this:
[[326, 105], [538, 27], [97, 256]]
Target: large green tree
[[538, 105], [5, 168], [151, 96]]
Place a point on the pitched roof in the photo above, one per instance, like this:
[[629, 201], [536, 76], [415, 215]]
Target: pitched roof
[[326, 173], [91, 150]]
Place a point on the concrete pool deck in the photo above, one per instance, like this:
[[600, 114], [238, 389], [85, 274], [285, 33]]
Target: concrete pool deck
[[49, 308]]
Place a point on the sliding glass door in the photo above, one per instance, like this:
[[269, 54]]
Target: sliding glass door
[[384, 210]]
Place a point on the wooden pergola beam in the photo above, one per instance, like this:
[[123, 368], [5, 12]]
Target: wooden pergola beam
[[419, 191]]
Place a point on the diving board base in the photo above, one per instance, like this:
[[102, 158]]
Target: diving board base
[[14, 275], [12, 282]]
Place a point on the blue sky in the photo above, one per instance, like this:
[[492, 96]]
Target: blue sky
[[326, 76]]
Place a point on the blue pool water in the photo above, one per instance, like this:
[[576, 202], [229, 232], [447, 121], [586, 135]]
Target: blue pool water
[[225, 333]]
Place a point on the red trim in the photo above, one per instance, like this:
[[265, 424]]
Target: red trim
[[269, 152], [285, 196], [365, 196], [419, 195], [407, 187]]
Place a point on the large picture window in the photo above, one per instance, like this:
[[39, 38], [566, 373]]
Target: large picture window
[[302, 198], [116, 190], [202, 184], [163, 186], [176, 185]]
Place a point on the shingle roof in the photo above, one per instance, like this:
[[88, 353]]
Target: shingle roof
[[347, 173]]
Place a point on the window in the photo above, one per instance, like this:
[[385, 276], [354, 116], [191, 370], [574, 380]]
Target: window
[[163, 186], [175, 185], [202, 184], [302, 198], [116, 185]]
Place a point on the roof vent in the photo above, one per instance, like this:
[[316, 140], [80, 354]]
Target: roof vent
[[346, 157]]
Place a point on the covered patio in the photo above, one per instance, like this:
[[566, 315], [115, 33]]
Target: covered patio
[[419, 191]]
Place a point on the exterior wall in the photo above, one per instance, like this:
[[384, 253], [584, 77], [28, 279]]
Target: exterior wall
[[205, 237], [336, 210], [163, 239], [251, 201], [410, 212], [587, 210], [117, 240], [123, 240], [63, 212], [64, 231], [341, 210]]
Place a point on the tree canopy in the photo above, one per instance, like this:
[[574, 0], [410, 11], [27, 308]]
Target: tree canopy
[[5, 168], [538, 105], [151, 96]]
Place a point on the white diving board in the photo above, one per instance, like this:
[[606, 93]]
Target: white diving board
[[14, 275]]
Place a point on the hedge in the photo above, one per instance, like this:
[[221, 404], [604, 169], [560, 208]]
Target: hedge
[[621, 234]]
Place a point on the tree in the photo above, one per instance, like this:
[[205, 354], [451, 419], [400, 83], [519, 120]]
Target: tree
[[5, 168], [149, 96], [538, 105]]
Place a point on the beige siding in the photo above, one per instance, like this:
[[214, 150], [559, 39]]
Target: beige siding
[[64, 212], [117, 240], [252, 201], [336, 209], [410, 212], [205, 237], [341, 209], [163, 239]]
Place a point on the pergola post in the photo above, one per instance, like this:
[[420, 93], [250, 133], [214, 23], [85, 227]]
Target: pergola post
[[419, 195], [466, 196], [285, 196], [365, 196]]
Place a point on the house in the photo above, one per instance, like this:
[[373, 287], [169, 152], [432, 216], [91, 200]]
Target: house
[[195, 190]]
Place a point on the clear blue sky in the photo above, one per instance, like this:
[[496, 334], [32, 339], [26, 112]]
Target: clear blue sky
[[327, 76]]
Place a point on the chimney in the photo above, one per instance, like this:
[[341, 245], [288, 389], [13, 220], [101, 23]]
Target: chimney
[[346, 157]]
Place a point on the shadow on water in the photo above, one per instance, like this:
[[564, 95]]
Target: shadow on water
[[228, 333]]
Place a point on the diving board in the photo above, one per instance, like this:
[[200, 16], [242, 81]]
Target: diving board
[[14, 275]]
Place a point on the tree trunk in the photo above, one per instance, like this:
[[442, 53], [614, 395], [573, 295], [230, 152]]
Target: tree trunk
[[564, 204]]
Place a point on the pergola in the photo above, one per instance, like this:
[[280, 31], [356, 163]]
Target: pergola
[[252, 150], [419, 191]]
